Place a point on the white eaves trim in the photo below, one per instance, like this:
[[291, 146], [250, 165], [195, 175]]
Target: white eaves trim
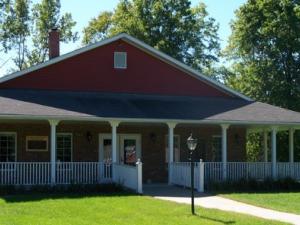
[[267, 124], [136, 43]]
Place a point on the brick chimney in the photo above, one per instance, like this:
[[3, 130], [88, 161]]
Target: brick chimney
[[53, 43]]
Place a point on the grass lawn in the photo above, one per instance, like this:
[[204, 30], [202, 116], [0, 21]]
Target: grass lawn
[[286, 202], [123, 209]]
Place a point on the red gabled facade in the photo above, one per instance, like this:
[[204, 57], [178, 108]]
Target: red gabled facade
[[93, 70]]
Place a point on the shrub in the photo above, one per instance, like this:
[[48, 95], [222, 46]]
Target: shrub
[[62, 189], [252, 185]]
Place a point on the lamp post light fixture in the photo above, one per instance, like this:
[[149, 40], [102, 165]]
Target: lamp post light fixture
[[192, 144]]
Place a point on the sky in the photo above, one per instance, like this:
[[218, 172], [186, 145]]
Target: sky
[[83, 11]]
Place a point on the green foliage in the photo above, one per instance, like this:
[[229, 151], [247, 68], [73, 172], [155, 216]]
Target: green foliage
[[25, 26], [265, 45], [46, 15], [254, 147], [15, 30], [174, 27], [61, 189], [264, 53], [252, 185]]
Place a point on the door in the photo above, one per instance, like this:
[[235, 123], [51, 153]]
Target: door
[[130, 148], [105, 148]]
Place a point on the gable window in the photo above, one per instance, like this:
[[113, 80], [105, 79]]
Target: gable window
[[7, 147], [216, 148], [176, 148], [120, 60], [64, 147]]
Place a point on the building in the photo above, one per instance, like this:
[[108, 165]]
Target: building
[[69, 119]]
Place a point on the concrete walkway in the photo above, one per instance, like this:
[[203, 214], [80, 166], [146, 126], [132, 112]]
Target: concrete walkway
[[180, 195]]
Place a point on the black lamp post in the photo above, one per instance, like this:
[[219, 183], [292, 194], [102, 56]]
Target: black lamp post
[[192, 144]]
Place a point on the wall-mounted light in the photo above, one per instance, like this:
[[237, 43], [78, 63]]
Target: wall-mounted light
[[89, 137]]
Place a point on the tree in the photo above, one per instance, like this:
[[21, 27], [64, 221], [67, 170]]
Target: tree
[[15, 30], [265, 43], [25, 26], [265, 50], [46, 15], [174, 27]]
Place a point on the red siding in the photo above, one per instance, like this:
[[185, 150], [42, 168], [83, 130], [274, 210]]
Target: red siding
[[93, 71]]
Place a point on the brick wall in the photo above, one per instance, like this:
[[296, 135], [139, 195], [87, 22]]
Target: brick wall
[[153, 143]]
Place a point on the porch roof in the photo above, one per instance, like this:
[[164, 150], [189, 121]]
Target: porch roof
[[93, 105]]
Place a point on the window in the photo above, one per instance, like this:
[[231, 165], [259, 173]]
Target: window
[[120, 60], [176, 148], [37, 143], [64, 147], [216, 148], [7, 147]]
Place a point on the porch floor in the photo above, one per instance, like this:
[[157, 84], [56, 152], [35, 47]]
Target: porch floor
[[181, 195]]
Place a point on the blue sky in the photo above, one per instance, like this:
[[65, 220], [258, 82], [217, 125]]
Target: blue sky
[[83, 11]]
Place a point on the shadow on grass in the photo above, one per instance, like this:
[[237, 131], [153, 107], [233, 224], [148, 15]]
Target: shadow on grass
[[31, 197], [215, 220]]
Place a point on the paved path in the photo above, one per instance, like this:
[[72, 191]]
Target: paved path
[[181, 195]]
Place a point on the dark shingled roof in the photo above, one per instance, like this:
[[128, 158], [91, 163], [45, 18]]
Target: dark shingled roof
[[94, 104]]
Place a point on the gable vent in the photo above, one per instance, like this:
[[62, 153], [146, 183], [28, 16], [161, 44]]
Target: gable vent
[[120, 60]]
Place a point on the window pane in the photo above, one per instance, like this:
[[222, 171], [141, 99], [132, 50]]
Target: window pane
[[7, 148], [64, 147]]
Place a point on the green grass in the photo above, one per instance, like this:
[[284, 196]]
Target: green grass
[[114, 210], [286, 202]]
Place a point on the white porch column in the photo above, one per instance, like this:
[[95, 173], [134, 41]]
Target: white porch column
[[171, 149], [53, 124], [274, 152], [224, 150], [114, 125], [291, 145], [265, 144]]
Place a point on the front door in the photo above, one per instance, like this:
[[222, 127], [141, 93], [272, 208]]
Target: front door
[[130, 148], [105, 148]]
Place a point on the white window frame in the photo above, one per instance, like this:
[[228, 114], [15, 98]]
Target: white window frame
[[16, 138], [65, 134], [116, 54], [102, 137], [37, 138], [176, 153]]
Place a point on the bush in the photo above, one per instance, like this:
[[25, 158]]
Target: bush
[[252, 185], [62, 189]]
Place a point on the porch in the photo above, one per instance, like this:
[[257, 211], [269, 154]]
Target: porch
[[130, 153]]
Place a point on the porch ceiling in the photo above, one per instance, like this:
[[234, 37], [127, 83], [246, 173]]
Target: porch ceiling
[[95, 105]]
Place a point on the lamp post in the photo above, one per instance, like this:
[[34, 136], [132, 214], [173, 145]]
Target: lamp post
[[192, 144]]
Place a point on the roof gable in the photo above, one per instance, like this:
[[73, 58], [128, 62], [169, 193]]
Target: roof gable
[[176, 78]]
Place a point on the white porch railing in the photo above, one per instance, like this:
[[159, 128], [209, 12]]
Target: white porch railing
[[129, 176], [288, 170], [250, 170], [82, 172], [181, 174], [19, 173], [39, 173], [212, 172]]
